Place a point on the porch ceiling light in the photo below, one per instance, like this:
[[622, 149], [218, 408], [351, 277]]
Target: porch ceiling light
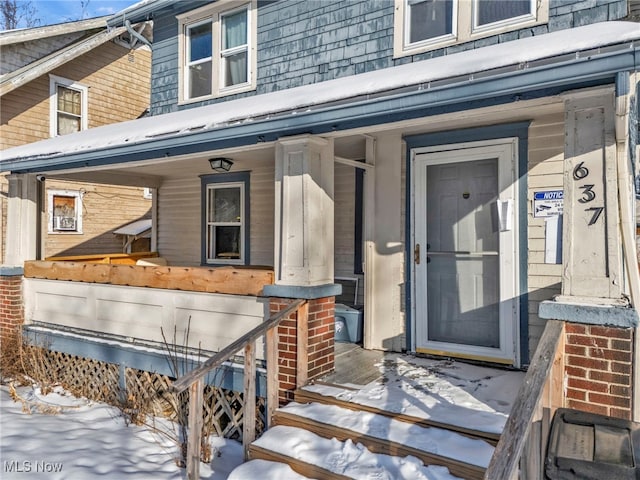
[[220, 164]]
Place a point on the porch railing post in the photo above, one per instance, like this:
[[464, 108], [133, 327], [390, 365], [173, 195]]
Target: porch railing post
[[249, 415], [271, 340], [302, 366], [196, 400]]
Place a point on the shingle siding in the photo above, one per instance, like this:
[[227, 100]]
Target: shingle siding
[[303, 42]]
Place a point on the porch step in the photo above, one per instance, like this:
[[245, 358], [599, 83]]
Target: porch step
[[314, 456], [265, 469], [307, 396], [463, 456]]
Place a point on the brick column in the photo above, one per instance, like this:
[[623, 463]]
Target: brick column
[[11, 305], [598, 369], [320, 343]]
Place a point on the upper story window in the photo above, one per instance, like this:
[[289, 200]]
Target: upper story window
[[218, 50], [68, 107], [423, 25]]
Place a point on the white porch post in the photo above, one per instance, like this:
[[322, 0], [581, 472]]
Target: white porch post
[[304, 244], [22, 219], [384, 248], [592, 263]]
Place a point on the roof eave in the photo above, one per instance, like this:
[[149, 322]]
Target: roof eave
[[543, 80]]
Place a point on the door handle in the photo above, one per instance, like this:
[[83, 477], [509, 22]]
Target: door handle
[[416, 254]]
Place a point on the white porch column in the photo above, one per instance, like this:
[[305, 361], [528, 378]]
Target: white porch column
[[22, 219], [384, 247], [592, 256], [304, 245]]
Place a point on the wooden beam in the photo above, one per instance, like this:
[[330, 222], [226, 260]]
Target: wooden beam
[[224, 280], [223, 355], [194, 442], [13, 80], [305, 469], [271, 358], [302, 350], [249, 413], [37, 33]]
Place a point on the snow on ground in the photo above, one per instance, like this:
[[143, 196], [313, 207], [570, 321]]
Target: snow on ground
[[84, 440], [70, 438], [456, 393]]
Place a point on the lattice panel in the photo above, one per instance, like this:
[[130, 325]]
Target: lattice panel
[[146, 392], [82, 376]]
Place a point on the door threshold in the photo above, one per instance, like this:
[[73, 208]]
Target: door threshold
[[465, 356]]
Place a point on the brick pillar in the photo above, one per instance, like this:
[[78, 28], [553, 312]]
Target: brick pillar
[[320, 343], [11, 310], [598, 369]]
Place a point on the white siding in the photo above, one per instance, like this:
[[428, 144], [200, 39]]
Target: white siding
[[546, 157], [179, 216]]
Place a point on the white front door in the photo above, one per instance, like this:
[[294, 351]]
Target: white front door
[[465, 262]]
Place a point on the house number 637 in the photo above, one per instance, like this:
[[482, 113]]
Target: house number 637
[[580, 172]]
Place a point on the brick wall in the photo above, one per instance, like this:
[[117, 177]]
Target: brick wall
[[598, 368], [11, 311], [320, 345]]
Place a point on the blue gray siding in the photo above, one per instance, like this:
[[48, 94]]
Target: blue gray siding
[[310, 41]]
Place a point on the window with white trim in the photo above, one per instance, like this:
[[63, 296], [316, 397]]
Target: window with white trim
[[218, 50], [68, 106], [423, 25], [225, 222], [65, 211]]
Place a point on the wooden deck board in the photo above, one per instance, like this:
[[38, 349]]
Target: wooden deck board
[[303, 468]]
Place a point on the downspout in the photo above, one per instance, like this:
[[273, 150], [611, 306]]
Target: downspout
[[627, 223]]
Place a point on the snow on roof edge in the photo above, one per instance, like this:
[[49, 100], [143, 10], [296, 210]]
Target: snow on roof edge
[[244, 109]]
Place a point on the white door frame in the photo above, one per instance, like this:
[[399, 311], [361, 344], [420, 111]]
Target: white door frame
[[505, 150]]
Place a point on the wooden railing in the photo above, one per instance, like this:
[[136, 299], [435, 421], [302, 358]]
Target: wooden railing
[[521, 450], [195, 383]]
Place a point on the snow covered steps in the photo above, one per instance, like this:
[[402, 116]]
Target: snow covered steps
[[308, 395], [327, 441]]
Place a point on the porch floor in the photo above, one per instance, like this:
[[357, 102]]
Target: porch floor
[[449, 391]]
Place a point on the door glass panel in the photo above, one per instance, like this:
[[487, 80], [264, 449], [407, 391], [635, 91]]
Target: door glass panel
[[463, 293]]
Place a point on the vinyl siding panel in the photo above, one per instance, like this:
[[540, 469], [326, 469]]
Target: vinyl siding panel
[[179, 217], [545, 172]]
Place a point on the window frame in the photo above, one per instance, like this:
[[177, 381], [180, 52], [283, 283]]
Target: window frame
[[214, 14], [215, 181], [51, 222], [54, 83], [464, 28]]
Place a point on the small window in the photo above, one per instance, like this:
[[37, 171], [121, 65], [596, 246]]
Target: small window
[[225, 224], [68, 106], [65, 212], [218, 47], [423, 25]]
